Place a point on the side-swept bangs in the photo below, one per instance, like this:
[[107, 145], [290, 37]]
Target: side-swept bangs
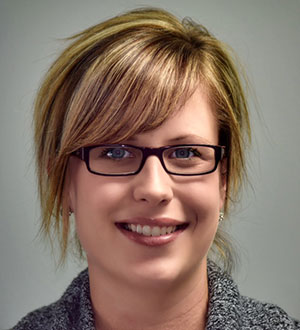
[[133, 84]]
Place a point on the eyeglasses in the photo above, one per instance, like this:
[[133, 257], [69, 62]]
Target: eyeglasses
[[123, 160]]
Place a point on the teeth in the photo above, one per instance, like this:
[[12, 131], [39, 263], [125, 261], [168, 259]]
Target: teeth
[[146, 230], [155, 231], [151, 231], [163, 231], [138, 228]]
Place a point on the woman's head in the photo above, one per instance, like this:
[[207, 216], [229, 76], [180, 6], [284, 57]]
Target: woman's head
[[124, 77]]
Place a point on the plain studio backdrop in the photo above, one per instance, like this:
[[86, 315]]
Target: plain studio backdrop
[[265, 227]]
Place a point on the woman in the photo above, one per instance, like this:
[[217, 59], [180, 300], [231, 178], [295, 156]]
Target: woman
[[140, 130]]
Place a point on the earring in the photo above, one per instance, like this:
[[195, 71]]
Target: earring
[[221, 216]]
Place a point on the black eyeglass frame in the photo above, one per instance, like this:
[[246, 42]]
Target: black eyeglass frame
[[84, 154]]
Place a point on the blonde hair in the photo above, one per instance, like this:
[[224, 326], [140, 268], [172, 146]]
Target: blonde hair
[[125, 76]]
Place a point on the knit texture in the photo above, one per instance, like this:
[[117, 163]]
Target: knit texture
[[227, 310]]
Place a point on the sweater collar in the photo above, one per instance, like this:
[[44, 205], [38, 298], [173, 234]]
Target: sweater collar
[[223, 310]]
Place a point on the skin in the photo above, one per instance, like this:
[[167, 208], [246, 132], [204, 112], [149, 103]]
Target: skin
[[141, 287]]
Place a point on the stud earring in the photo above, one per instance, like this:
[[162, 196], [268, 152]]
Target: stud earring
[[221, 216]]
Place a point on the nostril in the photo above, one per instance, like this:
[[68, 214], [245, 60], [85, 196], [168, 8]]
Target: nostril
[[163, 201], [151, 197]]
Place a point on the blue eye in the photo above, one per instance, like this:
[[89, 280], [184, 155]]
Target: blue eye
[[183, 153], [117, 153], [114, 153]]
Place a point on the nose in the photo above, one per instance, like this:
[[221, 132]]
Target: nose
[[153, 185]]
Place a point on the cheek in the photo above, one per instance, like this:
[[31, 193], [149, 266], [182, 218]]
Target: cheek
[[93, 195], [204, 198], [91, 211], [204, 205], [93, 200], [201, 202]]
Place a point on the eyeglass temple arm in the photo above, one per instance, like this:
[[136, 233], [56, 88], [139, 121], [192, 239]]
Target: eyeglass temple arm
[[79, 153]]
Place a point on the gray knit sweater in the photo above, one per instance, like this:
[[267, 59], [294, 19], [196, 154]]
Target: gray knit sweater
[[228, 309]]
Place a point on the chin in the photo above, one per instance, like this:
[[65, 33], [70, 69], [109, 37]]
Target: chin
[[164, 273]]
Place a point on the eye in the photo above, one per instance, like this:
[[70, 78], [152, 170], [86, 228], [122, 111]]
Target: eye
[[185, 153], [116, 153]]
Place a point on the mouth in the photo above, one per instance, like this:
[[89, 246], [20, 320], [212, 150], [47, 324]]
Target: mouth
[[152, 233]]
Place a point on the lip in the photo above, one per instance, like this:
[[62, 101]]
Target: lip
[[161, 222], [152, 241]]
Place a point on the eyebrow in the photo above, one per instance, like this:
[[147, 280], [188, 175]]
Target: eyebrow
[[189, 138], [186, 138]]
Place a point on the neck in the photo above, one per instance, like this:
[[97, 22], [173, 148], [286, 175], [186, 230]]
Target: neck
[[118, 305]]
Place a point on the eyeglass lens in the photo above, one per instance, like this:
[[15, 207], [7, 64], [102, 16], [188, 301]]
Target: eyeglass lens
[[178, 159]]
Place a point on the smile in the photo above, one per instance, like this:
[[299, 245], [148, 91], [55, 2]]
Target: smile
[[153, 231]]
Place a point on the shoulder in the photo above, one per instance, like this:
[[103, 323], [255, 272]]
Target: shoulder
[[43, 318], [260, 315], [230, 310], [72, 311]]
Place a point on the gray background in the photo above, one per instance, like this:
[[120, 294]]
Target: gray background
[[266, 226]]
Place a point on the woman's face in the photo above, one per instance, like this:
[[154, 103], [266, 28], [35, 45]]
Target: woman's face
[[153, 198]]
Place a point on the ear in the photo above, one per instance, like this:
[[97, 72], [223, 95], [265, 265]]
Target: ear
[[223, 181]]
